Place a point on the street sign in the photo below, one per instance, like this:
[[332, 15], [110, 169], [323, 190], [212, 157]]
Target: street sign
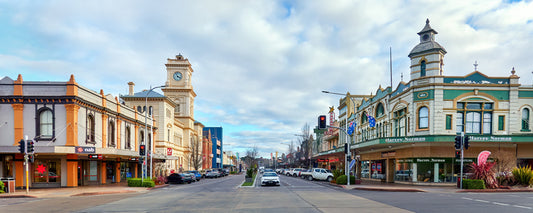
[[352, 163]]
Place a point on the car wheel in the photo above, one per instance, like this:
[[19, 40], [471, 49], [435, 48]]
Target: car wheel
[[310, 178], [330, 179]]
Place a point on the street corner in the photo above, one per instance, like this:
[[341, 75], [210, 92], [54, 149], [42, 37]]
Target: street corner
[[389, 189], [104, 193], [158, 186], [2, 196]]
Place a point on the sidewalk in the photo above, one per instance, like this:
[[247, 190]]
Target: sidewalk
[[77, 191], [444, 188]]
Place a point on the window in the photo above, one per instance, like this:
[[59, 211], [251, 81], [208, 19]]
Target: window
[[501, 122], [400, 122], [111, 133], [448, 122], [380, 111], [474, 118], [128, 137], [364, 118], [150, 110], [46, 124], [422, 68], [525, 119], [139, 109], [90, 128], [141, 138], [423, 118]]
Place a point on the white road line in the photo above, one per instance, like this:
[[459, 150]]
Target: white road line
[[467, 198], [524, 207], [501, 204], [483, 201]]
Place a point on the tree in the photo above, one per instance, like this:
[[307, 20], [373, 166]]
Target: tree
[[305, 141], [250, 158], [195, 156]]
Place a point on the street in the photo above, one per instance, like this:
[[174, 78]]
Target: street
[[294, 195]]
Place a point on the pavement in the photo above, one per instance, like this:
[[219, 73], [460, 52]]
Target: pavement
[[117, 188], [365, 185]]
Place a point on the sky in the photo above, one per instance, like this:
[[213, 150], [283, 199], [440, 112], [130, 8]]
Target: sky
[[259, 66]]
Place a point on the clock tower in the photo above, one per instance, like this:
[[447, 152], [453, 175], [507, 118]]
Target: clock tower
[[427, 58], [179, 88]]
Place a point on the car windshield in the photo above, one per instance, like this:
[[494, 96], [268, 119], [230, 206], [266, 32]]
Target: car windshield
[[269, 174]]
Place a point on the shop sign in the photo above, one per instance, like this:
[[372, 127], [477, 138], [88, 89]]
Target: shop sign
[[95, 157], [85, 149], [405, 140], [490, 138], [388, 154], [169, 151], [133, 159]]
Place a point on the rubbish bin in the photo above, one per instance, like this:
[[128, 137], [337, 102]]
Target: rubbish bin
[[9, 185]]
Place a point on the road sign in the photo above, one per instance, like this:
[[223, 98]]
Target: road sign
[[352, 163]]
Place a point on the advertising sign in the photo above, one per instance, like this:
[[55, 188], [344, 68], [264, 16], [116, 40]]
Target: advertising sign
[[95, 157], [85, 149], [169, 151]]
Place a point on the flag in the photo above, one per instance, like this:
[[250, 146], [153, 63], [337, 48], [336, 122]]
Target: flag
[[371, 121], [351, 128]]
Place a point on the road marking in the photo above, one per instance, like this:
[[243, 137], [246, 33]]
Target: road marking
[[501, 204], [467, 198], [483, 201], [524, 207]]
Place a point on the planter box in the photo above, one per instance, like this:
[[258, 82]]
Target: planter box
[[249, 180]]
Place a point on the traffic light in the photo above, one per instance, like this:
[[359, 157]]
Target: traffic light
[[142, 150], [322, 122], [466, 142], [349, 158], [458, 142], [30, 146], [457, 153], [31, 158], [22, 146], [346, 148]]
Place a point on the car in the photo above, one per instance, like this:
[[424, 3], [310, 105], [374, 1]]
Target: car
[[187, 177], [196, 174], [279, 171], [270, 178], [295, 172], [269, 170], [174, 178], [365, 173], [304, 173], [223, 172], [212, 174]]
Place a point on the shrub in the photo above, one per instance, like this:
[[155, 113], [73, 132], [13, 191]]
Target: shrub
[[336, 173], [2, 187], [342, 180], [148, 183], [473, 184], [160, 180], [135, 182], [484, 172], [523, 175], [249, 173]]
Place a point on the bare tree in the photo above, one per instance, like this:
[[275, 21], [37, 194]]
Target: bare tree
[[196, 155], [305, 141], [251, 155]]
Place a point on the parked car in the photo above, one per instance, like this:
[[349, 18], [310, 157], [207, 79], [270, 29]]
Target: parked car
[[212, 174], [279, 171], [320, 174], [269, 170], [304, 173], [187, 177], [196, 174], [174, 178], [295, 172], [270, 178]]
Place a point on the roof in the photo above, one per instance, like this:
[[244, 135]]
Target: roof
[[428, 46], [152, 94], [427, 28]]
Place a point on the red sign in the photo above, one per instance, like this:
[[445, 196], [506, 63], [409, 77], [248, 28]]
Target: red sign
[[95, 157], [169, 151]]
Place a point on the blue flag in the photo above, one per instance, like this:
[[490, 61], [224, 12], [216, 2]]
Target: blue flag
[[351, 128], [371, 121]]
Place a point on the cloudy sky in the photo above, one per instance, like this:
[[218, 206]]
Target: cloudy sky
[[259, 66]]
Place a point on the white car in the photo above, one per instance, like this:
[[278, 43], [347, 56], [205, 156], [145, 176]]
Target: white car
[[270, 178]]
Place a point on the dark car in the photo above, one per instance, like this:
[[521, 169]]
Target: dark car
[[223, 172], [174, 178], [187, 177]]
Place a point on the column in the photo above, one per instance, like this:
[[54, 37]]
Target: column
[[72, 124], [104, 172], [436, 173], [117, 168], [72, 170]]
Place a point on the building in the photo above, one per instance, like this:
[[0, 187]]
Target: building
[[179, 138], [413, 129], [217, 142], [81, 137]]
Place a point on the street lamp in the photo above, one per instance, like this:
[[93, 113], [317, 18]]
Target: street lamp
[[146, 131]]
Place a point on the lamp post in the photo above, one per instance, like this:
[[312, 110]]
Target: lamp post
[[146, 131]]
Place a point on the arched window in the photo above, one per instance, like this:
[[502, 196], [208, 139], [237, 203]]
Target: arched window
[[90, 128], [422, 68], [141, 138], [111, 133], [423, 118], [364, 118], [150, 110], [139, 109], [525, 119], [380, 111], [128, 137], [46, 124]]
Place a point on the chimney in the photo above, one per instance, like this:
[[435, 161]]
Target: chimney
[[131, 84]]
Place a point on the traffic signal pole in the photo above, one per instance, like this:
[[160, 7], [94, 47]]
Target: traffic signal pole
[[26, 162], [462, 158]]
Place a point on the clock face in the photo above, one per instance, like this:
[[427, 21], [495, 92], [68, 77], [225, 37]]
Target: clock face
[[177, 76], [425, 37]]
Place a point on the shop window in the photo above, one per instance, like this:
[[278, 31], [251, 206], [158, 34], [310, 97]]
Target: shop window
[[474, 118], [90, 128], [448, 122], [46, 123], [501, 122], [47, 171], [111, 133], [525, 119], [380, 111], [400, 122], [423, 118]]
